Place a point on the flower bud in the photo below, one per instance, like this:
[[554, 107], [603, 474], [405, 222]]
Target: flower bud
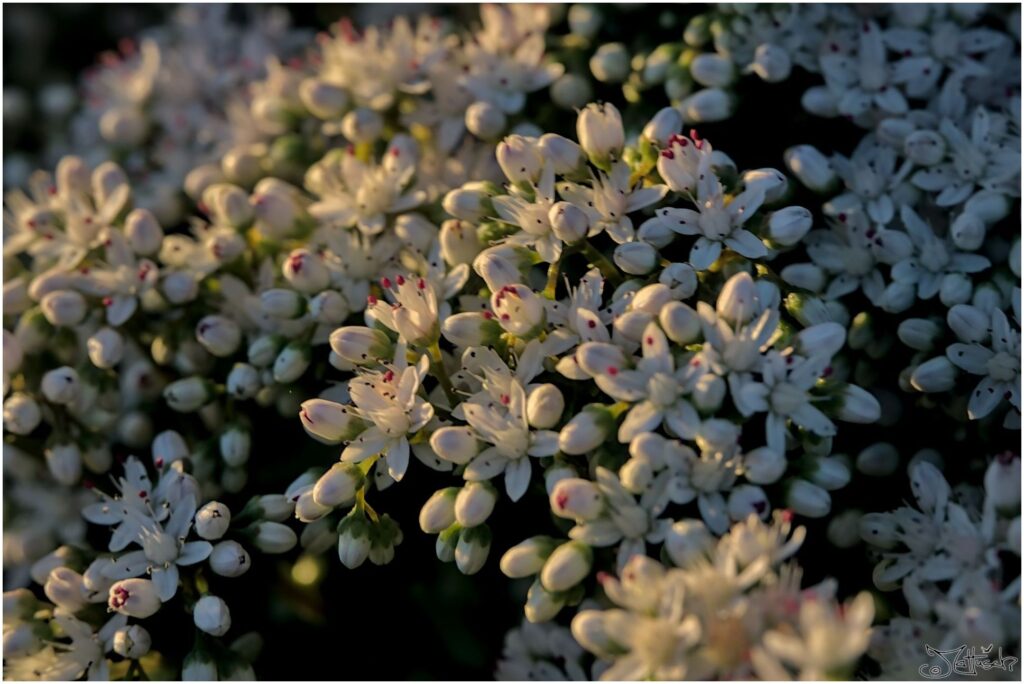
[[771, 63], [60, 385], [956, 288], [569, 223], [527, 557], [454, 444], [485, 120], [474, 503], [988, 205], [143, 232], [219, 335], [830, 473], [180, 287], [567, 566], [878, 460], [198, 666], [808, 499], [235, 445], [63, 307], [519, 310], [519, 159], [680, 322], [360, 345], [135, 598], [576, 499], [362, 125], [228, 205], [124, 126], [243, 381], [544, 406], [858, 406], [353, 541], [1002, 483], [64, 461], [599, 130], [307, 510], [665, 124], [188, 394], [229, 559], [323, 100], [810, 167], [586, 430], [105, 348], [918, 333], [438, 513], [745, 500], [712, 70], [212, 520], [764, 466], [305, 271], [329, 422], [200, 178], [968, 231], [339, 485], [282, 303], [687, 541], [292, 362], [132, 642], [471, 329], [541, 605], [610, 63], [65, 588], [707, 106], [709, 392], [329, 307], [471, 202], [789, 226], [969, 323], [636, 258], [273, 537], [737, 303], [563, 154], [935, 375], [459, 242], [211, 615], [472, 549], [168, 447]]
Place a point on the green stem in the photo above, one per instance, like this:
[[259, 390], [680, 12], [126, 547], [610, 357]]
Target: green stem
[[608, 269], [437, 364], [555, 269]]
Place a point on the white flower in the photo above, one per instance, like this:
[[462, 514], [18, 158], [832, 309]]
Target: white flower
[[498, 417], [998, 363], [414, 313], [987, 159], [860, 84], [610, 199], [829, 638], [718, 222], [388, 401], [784, 393], [655, 386], [356, 193], [934, 259], [163, 549]]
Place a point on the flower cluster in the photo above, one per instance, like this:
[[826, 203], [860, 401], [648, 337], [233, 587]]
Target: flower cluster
[[688, 367]]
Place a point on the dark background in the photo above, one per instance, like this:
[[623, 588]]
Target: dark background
[[417, 618]]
